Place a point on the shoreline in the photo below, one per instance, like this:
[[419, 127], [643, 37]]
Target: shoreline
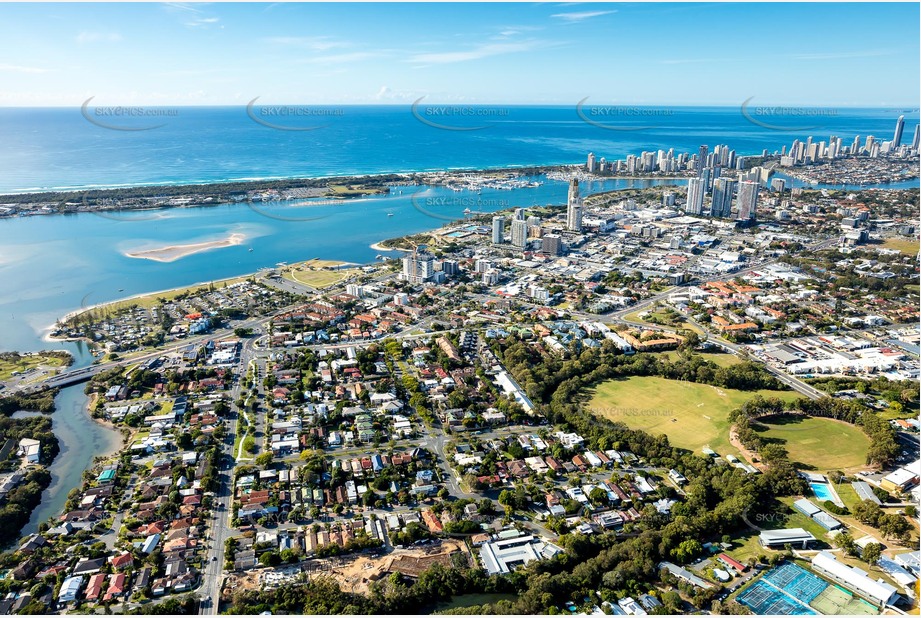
[[171, 253], [76, 312], [253, 183], [91, 401], [135, 197], [378, 246]]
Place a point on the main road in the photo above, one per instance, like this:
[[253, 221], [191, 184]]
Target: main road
[[222, 504]]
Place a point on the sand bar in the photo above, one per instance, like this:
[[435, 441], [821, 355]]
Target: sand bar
[[172, 253]]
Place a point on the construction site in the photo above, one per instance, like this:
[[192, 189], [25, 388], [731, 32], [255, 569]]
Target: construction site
[[355, 573]]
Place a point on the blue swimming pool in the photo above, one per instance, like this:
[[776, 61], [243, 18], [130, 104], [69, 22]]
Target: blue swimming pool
[[822, 491]]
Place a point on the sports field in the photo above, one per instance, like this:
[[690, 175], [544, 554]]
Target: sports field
[[720, 360], [691, 415], [905, 245], [818, 443], [315, 273]]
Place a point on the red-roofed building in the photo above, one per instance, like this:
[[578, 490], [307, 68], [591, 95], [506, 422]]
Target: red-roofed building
[[94, 588], [122, 561], [432, 521], [116, 586], [732, 563]]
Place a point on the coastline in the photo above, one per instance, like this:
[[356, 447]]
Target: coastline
[[90, 404], [379, 246], [68, 316], [254, 183]]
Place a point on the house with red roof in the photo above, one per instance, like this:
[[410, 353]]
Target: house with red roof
[[94, 588], [116, 586], [122, 561]]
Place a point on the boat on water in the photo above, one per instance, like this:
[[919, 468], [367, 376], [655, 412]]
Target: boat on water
[[389, 214], [250, 249]]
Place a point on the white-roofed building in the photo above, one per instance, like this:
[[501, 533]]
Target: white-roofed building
[[796, 537], [70, 589], [854, 579], [506, 554]]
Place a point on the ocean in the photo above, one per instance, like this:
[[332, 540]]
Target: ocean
[[55, 148]]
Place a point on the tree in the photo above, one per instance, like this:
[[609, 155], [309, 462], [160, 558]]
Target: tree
[[270, 559], [872, 553], [264, 459], [687, 550], [598, 496]]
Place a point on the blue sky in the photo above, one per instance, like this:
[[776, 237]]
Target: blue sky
[[822, 54]]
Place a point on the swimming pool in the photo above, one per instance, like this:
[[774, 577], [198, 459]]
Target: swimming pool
[[822, 491]]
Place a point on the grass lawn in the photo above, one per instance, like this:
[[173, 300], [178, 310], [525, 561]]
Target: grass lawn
[[817, 443], [906, 245], [358, 190], [721, 360], [635, 316], [691, 415], [745, 543], [26, 362], [314, 273], [658, 318], [891, 415]]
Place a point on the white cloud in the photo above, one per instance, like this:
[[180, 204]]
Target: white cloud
[[387, 94], [182, 6], [201, 22], [476, 53], [580, 16]]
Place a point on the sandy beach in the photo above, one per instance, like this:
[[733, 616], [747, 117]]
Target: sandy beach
[[172, 253], [379, 247]]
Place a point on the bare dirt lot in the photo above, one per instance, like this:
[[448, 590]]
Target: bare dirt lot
[[354, 574]]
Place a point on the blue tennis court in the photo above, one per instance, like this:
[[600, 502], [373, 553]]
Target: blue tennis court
[[765, 600], [796, 582], [787, 590]]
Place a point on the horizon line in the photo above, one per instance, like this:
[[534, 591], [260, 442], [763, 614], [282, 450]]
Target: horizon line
[[909, 108]]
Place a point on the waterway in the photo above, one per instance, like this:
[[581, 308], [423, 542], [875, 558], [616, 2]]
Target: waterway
[[80, 440]]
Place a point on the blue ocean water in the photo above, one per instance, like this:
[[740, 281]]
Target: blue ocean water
[[51, 148]]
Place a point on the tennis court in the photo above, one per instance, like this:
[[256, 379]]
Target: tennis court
[[765, 600], [793, 591], [835, 600], [796, 582]]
